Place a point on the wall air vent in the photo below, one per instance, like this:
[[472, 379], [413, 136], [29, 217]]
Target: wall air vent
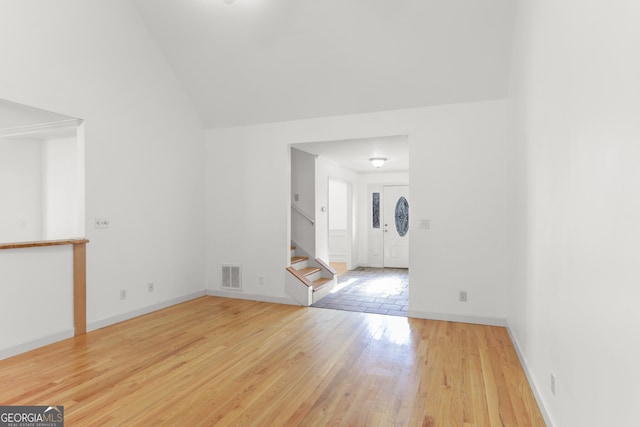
[[231, 277]]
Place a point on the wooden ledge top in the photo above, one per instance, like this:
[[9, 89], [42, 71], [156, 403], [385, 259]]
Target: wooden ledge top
[[39, 243]]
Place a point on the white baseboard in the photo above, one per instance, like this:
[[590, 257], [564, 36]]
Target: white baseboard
[[98, 324], [250, 297], [491, 321], [32, 345], [370, 265], [532, 383], [142, 311], [356, 265]]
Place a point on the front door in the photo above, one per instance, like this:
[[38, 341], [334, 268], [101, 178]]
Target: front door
[[396, 226]]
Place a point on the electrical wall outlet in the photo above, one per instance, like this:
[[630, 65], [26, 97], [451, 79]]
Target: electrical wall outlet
[[552, 384], [150, 287], [123, 294], [463, 296], [261, 280]]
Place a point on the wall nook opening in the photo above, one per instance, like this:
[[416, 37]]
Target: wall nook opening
[[41, 174]]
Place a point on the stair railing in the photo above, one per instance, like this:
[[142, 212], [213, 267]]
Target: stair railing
[[304, 215]]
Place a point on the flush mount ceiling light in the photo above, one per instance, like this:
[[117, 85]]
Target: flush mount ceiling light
[[377, 162], [228, 1]]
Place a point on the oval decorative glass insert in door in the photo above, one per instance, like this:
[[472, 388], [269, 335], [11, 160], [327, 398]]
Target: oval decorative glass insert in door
[[402, 216]]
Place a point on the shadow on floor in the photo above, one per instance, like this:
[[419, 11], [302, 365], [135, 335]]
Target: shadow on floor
[[370, 290]]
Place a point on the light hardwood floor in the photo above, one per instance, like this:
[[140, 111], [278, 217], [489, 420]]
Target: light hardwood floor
[[216, 361], [339, 267]]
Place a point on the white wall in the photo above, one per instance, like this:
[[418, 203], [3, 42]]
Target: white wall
[[303, 187], [337, 204], [36, 307], [20, 190], [338, 212], [576, 168], [61, 196], [144, 146], [573, 306], [458, 181]]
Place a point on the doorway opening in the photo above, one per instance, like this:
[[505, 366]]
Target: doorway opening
[[365, 212], [340, 224], [41, 174]]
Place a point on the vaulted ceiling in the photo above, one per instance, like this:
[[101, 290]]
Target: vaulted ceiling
[[257, 61]]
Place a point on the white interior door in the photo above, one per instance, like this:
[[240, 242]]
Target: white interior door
[[339, 214], [396, 226]]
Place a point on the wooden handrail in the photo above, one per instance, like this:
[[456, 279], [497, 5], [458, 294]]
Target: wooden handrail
[[79, 276], [326, 266]]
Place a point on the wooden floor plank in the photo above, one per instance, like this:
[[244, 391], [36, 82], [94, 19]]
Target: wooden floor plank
[[216, 361]]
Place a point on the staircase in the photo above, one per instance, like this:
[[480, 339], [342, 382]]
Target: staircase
[[310, 279]]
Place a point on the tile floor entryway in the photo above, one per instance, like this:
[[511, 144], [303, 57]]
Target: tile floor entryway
[[370, 290]]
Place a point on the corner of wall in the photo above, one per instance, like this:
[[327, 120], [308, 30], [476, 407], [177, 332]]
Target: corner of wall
[[542, 404]]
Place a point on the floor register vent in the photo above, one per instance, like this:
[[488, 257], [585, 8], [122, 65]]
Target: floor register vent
[[231, 277]]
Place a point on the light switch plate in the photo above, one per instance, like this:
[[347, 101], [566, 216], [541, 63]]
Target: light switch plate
[[102, 223]]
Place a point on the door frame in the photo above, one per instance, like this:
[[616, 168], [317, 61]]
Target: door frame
[[349, 219], [375, 236]]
